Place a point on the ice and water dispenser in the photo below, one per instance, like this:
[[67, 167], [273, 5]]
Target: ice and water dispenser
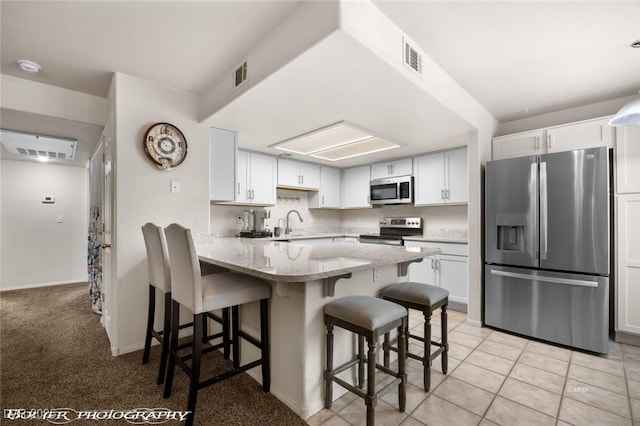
[[511, 231]]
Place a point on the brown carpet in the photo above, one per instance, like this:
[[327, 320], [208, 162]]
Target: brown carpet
[[54, 353]]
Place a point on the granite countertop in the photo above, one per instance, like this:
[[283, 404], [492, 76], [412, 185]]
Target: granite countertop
[[293, 237], [290, 262]]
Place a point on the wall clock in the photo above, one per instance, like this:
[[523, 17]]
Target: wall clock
[[165, 144]]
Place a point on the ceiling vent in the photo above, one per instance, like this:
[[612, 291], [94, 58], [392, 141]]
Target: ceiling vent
[[30, 145], [240, 75], [412, 56]]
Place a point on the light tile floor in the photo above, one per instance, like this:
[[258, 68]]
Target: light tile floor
[[496, 378]]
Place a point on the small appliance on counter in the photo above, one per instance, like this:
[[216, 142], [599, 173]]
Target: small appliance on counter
[[254, 224]]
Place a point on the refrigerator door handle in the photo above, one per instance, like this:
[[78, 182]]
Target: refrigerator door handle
[[533, 212], [554, 280], [543, 210]]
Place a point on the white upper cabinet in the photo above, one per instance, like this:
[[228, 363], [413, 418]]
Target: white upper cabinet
[[256, 178], [355, 187], [441, 178], [222, 165], [298, 174], [518, 145], [584, 134], [402, 167], [628, 159], [328, 195]]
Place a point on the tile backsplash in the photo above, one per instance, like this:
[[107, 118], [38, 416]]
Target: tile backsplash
[[440, 221]]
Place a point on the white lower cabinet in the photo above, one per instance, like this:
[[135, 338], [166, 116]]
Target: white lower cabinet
[[628, 263], [447, 269]]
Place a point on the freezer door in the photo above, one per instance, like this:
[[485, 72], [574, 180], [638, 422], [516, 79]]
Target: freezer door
[[570, 309], [574, 211], [511, 211]]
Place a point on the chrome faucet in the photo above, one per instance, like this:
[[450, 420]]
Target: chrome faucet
[[287, 228]]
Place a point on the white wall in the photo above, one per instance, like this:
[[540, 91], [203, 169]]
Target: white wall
[[36, 250], [142, 191]]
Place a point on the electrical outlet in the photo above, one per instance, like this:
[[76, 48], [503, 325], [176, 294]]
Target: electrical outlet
[[60, 219], [376, 274]]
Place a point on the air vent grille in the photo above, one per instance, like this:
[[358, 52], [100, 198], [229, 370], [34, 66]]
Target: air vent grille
[[38, 146], [412, 56], [240, 75]]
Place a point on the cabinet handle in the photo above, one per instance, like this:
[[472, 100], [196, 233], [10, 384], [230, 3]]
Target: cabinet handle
[[238, 188], [253, 192], [442, 194], [303, 179], [323, 200], [368, 199], [447, 194], [549, 144], [432, 264], [248, 194], [537, 145]]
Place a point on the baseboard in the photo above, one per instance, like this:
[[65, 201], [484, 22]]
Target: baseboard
[[475, 323], [48, 284], [457, 306], [627, 338]]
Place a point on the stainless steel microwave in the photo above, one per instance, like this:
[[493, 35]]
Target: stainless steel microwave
[[395, 190]]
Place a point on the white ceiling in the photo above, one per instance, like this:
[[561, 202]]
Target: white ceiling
[[510, 56]]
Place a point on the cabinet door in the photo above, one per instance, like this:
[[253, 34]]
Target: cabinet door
[[355, 191], [402, 167], [628, 159], [628, 262], [424, 272], [456, 172], [288, 173], [453, 277], [586, 134], [330, 187], [518, 145], [380, 170], [242, 177], [263, 185], [310, 176], [429, 179], [222, 165]]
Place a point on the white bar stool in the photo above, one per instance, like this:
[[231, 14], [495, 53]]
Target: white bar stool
[[202, 294]]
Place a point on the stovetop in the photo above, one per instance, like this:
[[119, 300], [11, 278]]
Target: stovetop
[[255, 234]]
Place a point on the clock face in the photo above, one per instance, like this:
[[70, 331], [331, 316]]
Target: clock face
[[165, 145]]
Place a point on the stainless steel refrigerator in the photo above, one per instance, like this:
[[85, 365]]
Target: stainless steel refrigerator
[[547, 247]]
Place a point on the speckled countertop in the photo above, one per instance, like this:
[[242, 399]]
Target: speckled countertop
[[290, 262], [438, 239]]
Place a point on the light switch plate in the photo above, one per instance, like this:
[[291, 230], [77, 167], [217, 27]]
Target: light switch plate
[[175, 187]]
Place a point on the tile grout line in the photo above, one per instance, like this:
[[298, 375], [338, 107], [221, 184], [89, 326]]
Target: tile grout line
[[626, 383], [564, 387], [484, 416]]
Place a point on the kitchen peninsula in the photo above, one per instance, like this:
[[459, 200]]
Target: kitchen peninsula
[[304, 279]]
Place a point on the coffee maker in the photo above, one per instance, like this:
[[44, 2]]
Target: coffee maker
[[254, 224]]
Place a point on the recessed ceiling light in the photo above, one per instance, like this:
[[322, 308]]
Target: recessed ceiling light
[[28, 66], [636, 44]]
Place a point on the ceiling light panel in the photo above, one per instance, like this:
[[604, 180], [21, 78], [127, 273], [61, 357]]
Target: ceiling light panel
[[323, 139], [368, 146], [30, 145]]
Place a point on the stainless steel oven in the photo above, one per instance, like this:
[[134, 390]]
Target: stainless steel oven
[[393, 229], [395, 190]]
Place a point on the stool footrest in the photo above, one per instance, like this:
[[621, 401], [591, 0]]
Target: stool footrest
[[228, 374]]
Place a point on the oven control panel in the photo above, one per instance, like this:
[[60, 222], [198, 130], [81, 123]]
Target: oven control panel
[[400, 222]]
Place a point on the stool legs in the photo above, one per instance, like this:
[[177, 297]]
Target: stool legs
[[328, 383], [445, 344], [150, 319], [371, 398], [402, 359], [198, 333], [166, 338], [426, 359], [235, 339], [361, 360], [175, 328]]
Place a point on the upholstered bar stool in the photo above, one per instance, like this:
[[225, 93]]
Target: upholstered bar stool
[[202, 294], [369, 318], [159, 276], [425, 298]]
